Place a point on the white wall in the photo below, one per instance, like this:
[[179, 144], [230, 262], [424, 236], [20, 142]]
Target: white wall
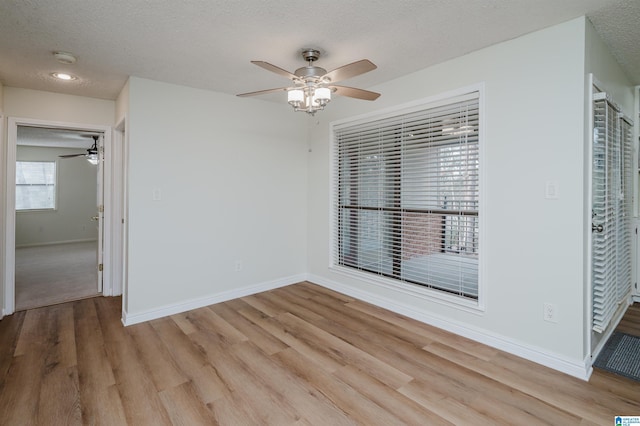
[[25, 103], [231, 177], [122, 103], [532, 247], [75, 204]]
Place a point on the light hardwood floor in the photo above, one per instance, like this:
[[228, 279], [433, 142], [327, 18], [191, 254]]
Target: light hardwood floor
[[56, 273], [300, 355]]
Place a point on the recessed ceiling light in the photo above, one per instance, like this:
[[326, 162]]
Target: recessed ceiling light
[[65, 57], [63, 76]]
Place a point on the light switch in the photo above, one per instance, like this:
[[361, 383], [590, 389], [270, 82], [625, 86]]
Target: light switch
[[551, 190], [156, 195]]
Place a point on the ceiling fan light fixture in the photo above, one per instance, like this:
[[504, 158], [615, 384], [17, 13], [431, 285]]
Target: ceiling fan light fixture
[[295, 97], [313, 85], [93, 159], [322, 96]]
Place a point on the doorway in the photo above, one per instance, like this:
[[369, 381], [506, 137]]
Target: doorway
[[58, 232], [105, 217]]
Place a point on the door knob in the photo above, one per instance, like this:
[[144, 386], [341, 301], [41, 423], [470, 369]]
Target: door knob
[[95, 218]]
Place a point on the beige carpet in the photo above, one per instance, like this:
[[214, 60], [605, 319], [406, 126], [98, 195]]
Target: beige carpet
[[46, 275]]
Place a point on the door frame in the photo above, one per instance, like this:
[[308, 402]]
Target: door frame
[[8, 278]]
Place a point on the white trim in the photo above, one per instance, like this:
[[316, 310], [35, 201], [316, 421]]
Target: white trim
[[3, 234], [588, 289], [114, 239], [8, 279], [187, 305], [10, 218], [414, 290], [580, 369]]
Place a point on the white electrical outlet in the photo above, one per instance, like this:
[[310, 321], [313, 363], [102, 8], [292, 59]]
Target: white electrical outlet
[[549, 312], [238, 265]]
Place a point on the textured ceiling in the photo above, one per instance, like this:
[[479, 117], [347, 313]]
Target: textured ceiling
[[208, 43]]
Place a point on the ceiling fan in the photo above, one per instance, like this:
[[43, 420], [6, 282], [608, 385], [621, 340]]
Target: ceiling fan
[[313, 86], [92, 153]]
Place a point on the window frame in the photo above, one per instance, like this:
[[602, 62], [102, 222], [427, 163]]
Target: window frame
[[476, 306], [55, 187]]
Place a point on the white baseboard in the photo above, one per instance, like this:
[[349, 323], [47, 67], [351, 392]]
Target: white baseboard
[[187, 305], [581, 370]]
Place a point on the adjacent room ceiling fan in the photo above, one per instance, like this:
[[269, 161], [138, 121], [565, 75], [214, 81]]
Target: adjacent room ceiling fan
[[313, 86], [92, 153]]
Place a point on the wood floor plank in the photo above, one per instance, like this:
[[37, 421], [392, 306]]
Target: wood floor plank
[[59, 392], [191, 360], [359, 320], [296, 355], [446, 407], [355, 405], [266, 342], [9, 333], [184, 406], [207, 321], [250, 390], [491, 394], [138, 394], [345, 353], [304, 344], [592, 409], [289, 304], [21, 389], [310, 404], [60, 397], [99, 398], [154, 354], [263, 305], [405, 409]]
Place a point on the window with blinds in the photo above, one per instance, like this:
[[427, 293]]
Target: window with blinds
[[406, 196], [35, 185], [611, 210]]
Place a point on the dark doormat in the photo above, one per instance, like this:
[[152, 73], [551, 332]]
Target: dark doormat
[[621, 355]]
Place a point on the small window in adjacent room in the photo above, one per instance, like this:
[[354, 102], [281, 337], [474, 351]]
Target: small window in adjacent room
[[35, 185], [406, 197]]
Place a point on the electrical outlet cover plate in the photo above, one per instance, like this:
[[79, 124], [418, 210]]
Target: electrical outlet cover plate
[[549, 312]]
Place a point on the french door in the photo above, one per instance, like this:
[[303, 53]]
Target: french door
[[611, 212]]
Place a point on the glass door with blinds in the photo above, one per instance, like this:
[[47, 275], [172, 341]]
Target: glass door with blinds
[[612, 203]]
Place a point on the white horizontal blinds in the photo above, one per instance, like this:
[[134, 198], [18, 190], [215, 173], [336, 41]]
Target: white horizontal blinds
[[603, 241], [625, 210], [611, 212], [35, 185], [407, 196]]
